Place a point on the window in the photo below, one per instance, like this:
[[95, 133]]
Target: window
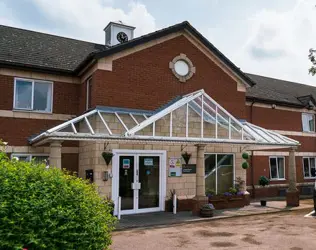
[[29, 157], [308, 121], [89, 92], [33, 95], [219, 172], [277, 169], [309, 167]]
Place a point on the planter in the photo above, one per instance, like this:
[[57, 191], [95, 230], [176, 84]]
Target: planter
[[206, 213], [224, 202], [263, 203], [107, 156]]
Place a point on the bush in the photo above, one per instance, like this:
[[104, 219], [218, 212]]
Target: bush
[[263, 181], [49, 209]]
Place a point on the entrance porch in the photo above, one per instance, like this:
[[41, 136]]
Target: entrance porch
[[147, 147]]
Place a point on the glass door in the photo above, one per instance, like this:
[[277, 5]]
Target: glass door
[[149, 178], [126, 180], [139, 182]]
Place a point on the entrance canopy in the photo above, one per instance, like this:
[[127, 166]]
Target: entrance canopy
[[193, 118]]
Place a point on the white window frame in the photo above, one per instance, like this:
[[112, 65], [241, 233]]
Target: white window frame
[[88, 82], [216, 177], [277, 166], [308, 114], [30, 156], [32, 101], [309, 167]]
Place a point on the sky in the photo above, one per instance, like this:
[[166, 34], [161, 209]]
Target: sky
[[270, 38]]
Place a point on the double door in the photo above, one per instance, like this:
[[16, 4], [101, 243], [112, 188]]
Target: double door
[[138, 182]]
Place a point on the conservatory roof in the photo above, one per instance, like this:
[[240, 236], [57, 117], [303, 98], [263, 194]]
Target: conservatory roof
[[172, 123]]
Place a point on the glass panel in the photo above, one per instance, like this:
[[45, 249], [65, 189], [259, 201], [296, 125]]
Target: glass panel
[[225, 173], [43, 96], [125, 182], [149, 172], [273, 168], [210, 173], [162, 126], [223, 125], [281, 168], [312, 167], [23, 94], [306, 167], [179, 122], [308, 122]]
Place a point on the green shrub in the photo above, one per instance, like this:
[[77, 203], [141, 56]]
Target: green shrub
[[49, 209], [245, 156], [263, 181], [232, 190], [245, 165]]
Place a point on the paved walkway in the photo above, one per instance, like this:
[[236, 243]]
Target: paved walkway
[[165, 218]]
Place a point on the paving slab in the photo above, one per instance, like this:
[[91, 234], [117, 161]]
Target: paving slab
[[159, 219]]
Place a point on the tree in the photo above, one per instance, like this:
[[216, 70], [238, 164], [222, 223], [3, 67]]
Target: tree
[[312, 58], [50, 209]]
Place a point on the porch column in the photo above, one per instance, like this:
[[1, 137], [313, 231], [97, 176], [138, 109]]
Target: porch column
[[55, 154], [292, 194], [200, 197]]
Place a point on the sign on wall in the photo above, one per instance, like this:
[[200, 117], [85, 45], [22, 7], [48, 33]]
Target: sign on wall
[[189, 169], [175, 166]]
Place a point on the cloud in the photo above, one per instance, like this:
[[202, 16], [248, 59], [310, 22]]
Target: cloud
[[278, 42], [86, 19]]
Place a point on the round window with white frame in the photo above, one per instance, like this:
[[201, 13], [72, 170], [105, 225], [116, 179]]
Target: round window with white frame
[[182, 67]]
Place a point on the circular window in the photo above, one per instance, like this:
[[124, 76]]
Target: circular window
[[181, 67]]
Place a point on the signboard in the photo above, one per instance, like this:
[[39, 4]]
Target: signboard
[[175, 166], [149, 162], [126, 163], [189, 169]]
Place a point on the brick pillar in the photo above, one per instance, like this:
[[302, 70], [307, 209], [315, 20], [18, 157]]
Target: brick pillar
[[292, 194], [55, 154], [200, 197]]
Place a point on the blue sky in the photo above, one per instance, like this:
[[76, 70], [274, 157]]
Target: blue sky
[[270, 38]]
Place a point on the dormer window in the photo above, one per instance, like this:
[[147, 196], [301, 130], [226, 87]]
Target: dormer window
[[308, 122], [33, 95]]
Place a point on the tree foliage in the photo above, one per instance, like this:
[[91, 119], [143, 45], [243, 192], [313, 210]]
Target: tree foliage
[[50, 209], [312, 58]]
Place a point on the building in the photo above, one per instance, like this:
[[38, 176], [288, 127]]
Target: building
[[147, 101]]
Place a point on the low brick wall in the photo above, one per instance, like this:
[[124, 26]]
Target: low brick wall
[[225, 202]]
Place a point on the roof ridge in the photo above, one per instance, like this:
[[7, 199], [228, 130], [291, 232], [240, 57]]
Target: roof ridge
[[49, 34]]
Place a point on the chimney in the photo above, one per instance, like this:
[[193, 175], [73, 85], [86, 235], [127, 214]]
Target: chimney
[[117, 33]]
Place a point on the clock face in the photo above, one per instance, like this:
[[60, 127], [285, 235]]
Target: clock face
[[122, 37]]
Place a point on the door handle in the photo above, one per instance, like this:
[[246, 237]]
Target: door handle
[[136, 185]]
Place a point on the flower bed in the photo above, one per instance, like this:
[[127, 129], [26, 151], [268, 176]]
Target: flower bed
[[228, 200]]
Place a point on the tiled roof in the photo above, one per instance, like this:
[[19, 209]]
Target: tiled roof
[[279, 91], [28, 48]]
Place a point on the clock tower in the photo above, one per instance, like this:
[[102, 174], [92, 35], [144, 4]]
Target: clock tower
[[118, 32]]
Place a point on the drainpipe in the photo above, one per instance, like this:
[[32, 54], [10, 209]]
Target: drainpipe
[[251, 160]]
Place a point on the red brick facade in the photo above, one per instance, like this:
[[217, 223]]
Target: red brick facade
[[143, 80]]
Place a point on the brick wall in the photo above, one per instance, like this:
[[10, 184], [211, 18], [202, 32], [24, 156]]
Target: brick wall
[[143, 80], [275, 119]]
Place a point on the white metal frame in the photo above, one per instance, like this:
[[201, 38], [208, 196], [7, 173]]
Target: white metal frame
[[234, 166], [32, 101], [250, 134], [162, 178], [309, 167], [277, 166]]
